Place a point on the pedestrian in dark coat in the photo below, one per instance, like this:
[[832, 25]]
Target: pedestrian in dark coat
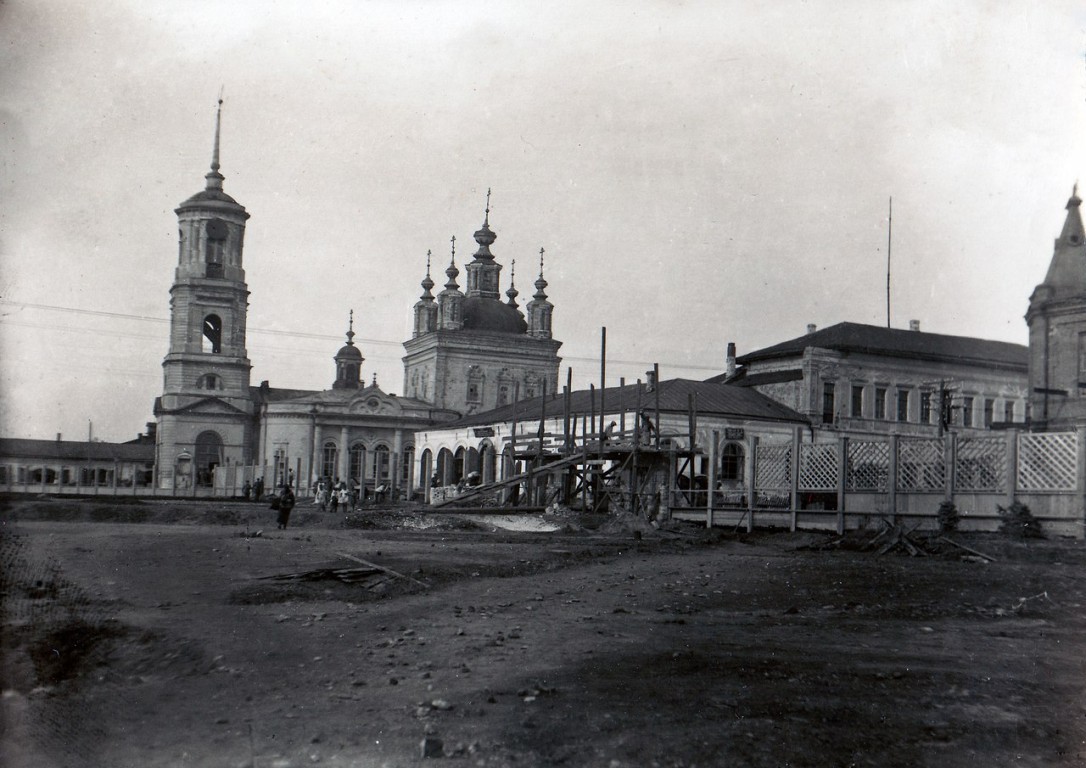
[[286, 503]]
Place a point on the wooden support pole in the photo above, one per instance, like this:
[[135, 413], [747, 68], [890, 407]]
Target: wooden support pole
[[603, 384], [567, 397], [692, 419], [891, 480], [842, 464], [542, 431], [592, 410], [751, 468], [513, 443], [656, 391], [622, 405], [793, 478], [713, 443]]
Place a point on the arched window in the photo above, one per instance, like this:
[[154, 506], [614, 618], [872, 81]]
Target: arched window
[[329, 460], [212, 334], [731, 462], [358, 463], [458, 464], [216, 247], [209, 454], [475, 385], [381, 464]]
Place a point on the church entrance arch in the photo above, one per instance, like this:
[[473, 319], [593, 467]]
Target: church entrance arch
[[208, 455]]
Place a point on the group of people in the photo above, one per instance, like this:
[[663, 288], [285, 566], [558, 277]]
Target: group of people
[[253, 491], [334, 496]]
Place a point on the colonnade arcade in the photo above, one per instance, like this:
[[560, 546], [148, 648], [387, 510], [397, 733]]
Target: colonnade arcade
[[474, 464]]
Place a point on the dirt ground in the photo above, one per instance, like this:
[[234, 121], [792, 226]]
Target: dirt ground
[[153, 634]]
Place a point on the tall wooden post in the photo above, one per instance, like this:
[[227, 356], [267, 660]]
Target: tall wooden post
[[793, 478], [891, 480], [751, 468], [1012, 466], [842, 463], [713, 443], [656, 391], [622, 405], [603, 384]]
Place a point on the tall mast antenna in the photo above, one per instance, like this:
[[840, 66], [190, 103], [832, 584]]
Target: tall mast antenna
[[889, 241]]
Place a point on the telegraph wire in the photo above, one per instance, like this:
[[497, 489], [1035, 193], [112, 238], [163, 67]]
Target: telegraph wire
[[4, 320]]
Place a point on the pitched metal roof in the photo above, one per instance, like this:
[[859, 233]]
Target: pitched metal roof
[[896, 342], [713, 399], [72, 450]]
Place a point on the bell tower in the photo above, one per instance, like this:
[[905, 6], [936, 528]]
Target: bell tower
[[205, 411], [1057, 331]]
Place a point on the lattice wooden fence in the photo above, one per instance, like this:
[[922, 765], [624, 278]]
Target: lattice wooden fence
[[868, 467], [773, 475], [981, 464], [921, 464], [1047, 462], [818, 467]]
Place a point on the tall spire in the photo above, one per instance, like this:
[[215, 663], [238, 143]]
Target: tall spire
[[512, 293], [214, 178], [350, 329]]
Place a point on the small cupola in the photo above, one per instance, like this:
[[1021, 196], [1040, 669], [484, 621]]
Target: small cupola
[[348, 361]]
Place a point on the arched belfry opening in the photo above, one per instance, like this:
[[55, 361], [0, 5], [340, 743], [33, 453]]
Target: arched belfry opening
[[212, 341], [215, 254]]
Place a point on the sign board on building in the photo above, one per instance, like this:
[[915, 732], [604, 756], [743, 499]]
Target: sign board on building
[[734, 433], [484, 431]]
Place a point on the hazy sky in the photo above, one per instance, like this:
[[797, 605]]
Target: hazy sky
[[698, 173]]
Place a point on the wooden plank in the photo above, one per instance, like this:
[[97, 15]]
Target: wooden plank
[[382, 568]]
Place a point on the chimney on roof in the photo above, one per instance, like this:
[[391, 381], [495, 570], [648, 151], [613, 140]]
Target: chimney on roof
[[58, 437], [914, 325], [650, 379], [811, 327], [729, 360]]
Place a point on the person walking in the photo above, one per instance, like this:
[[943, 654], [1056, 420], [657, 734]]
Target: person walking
[[334, 497], [286, 503]]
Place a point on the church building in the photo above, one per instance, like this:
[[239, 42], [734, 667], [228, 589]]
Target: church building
[[469, 352]]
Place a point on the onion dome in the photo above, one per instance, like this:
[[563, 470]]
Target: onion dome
[[484, 236], [489, 315], [451, 271], [348, 361], [427, 283], [512, 293]]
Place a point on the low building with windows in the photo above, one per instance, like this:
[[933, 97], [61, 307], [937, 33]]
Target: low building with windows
[[74, 467], [866, 378]]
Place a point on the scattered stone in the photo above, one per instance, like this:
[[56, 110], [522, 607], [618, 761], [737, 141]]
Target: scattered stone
[[441, 704], [431, 747], [393, 681]]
